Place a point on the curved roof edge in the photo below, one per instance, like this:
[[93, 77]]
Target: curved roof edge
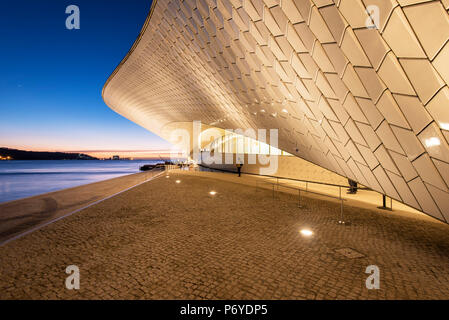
[[136, 42]]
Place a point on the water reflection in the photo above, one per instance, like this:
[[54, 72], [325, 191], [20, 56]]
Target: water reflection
[[20, 179]]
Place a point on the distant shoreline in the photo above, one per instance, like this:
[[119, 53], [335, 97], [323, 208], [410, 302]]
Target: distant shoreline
[[107, 160], [15, 154]]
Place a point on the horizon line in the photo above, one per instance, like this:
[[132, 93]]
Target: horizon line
[[90, 151]]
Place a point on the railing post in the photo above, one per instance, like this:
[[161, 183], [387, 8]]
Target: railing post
[[341, 221], [341, 211], [384, 203], [299, 198]]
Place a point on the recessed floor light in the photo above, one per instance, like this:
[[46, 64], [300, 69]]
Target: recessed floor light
[[306, 232], [213, 193], [178, 181]]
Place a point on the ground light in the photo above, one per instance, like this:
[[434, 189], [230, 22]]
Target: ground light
[[178, 181], [306, 232], [213, 193]]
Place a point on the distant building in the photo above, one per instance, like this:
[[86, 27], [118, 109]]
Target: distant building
[[115, 157]]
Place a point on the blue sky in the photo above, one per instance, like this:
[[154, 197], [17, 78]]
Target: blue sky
[[51, 77]]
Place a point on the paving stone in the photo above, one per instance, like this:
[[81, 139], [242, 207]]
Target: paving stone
[[163, 240]]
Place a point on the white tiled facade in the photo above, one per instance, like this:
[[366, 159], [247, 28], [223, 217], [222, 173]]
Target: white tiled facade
[[364, 95]]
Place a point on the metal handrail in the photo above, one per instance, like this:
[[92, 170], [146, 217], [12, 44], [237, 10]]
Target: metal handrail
[[340, 198], [308, 191], [283, 178]]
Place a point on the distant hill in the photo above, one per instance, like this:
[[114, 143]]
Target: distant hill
[[38, 155]]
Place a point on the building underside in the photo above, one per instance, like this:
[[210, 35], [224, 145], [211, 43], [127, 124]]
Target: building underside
[[359, 87]]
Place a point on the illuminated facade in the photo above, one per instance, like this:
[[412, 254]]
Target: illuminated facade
[[363, 95]]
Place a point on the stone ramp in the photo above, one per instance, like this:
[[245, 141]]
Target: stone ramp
[[22, 215]]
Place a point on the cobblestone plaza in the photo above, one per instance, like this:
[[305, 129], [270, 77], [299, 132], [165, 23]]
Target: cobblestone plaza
[[168, 240]]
